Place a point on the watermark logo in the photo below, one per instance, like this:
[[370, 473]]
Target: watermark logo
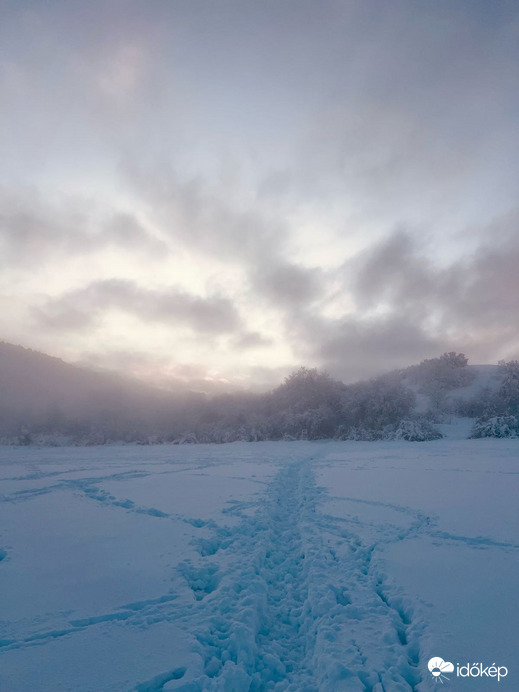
[[439, 667], [477, 670]]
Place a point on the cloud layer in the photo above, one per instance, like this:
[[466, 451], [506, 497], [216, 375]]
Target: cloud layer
[[232, 190], [82, 309]]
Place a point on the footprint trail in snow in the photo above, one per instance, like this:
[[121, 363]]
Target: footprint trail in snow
[[290, 599]]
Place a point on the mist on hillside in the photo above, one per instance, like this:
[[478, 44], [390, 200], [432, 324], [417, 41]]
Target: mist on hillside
[[47, 401]]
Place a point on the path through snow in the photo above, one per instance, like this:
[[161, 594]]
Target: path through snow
[[290, 612]]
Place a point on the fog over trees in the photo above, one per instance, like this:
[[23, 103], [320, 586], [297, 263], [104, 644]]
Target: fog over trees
[[46, 401]]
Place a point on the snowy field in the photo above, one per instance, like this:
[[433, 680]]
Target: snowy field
[[299, 566]]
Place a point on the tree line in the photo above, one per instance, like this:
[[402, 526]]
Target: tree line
[[309, 404]]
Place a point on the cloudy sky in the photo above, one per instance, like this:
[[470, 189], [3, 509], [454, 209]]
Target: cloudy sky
[[219, 191]]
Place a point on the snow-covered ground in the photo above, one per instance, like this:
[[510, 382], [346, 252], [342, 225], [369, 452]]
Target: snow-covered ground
[[325, 566]]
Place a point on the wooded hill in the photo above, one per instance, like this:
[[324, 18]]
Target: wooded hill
[[44, 400]]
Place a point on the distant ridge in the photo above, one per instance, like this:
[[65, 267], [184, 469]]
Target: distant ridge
[[41, 391]]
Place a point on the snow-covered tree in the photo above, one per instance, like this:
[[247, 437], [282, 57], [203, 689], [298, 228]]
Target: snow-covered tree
[[377, 403], [307, 388], [508, 394]]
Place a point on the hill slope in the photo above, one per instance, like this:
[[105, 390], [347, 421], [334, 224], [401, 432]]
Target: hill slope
[[40, 392]]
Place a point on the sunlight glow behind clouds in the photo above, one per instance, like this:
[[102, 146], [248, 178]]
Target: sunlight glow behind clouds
[[342, 177]]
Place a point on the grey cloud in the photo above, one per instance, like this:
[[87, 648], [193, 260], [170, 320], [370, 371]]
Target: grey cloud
[[378, 116], [84, 308], [420, 127], [197, 214], [64, 315], [125, 230], [413, 308], [475, 294], [380, 164], [287, 285], [354, 348], [203, 221], [251, 340], [395, 271], [32, 231]]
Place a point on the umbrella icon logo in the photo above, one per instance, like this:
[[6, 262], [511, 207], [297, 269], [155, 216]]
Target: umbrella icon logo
[[439, 667]]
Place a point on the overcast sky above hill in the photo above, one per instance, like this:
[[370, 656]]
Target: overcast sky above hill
[[221, 191]]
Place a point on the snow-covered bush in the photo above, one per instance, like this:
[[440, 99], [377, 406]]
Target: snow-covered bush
[[361, 435], [416, 431], [498, 426], [52, 440], [187, 439], [407, 429]]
